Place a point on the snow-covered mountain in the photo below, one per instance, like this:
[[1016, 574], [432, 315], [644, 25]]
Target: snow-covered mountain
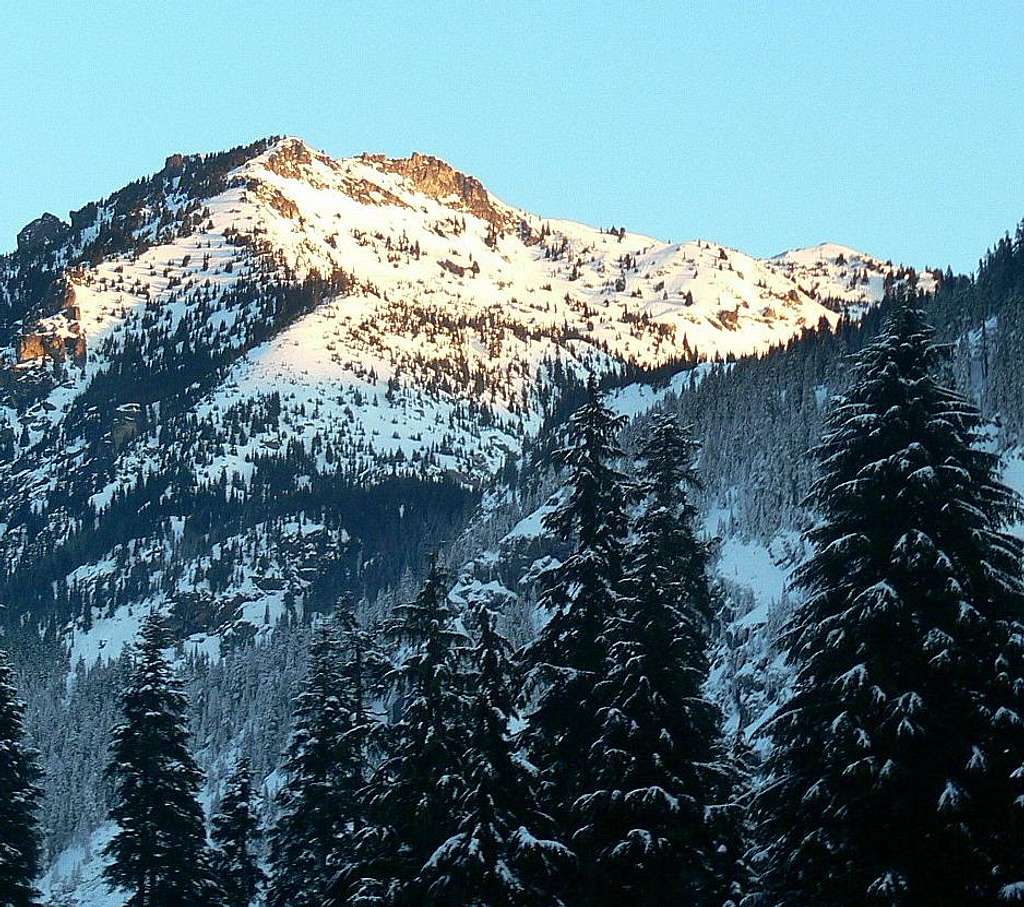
[[261, 379], [242, 331]]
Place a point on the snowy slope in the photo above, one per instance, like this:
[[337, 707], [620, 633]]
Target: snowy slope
[[458, 293]]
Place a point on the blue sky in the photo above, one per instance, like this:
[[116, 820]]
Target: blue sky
[[897, 128]]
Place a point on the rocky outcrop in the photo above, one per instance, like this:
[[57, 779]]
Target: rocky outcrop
[[84, 216], [276, 199], [292, 159], [174, 165], [41, 233], [441, 181], [55, 344], [56, 338], [128, 420]]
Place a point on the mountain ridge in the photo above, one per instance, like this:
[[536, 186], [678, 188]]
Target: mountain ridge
[[266, 328]]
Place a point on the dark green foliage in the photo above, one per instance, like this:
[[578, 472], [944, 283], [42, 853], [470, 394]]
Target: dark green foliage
[[896, 774], [158, 855], [235, 834], [317, 800], [412, 794], [363, 671], [19, 799], [502, 854], [569, 656], [646, 831]]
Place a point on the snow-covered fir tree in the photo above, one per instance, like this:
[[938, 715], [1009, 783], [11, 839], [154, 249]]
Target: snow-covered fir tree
[[569, 656], [413, 792], [503, 854], [19, 799], [159, 854], [645, 830], [896, 777], [363, 672], [364, 669], [235, 833], [312, 836]]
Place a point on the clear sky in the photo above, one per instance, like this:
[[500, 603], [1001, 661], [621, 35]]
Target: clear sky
[[895, 127]]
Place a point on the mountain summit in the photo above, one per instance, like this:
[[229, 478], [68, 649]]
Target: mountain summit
[[264, 321]]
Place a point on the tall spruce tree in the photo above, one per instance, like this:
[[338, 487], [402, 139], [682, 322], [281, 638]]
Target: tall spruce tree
[[503, 854], [898, 767], [159, 854], [363, 672], [364, 669], [570, 653], [313, 831], [235, 833], [412, 792], [19, 799], [646, 830]]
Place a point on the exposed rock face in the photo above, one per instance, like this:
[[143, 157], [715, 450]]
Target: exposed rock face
[[56, 338], [43, 231], [84, 216], [439, 180], [279, 202], [56, 345], [174, 164], [127, 424], [291, 159]]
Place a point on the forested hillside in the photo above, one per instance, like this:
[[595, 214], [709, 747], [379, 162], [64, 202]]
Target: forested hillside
[[221, 453]]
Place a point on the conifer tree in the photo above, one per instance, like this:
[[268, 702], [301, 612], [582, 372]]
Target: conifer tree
[[569, 655], [502, 854], [363, 671], [317, 800], [898, 767], [413, 791], [19, 799], [159, 854], [235, 834], [646, 831]]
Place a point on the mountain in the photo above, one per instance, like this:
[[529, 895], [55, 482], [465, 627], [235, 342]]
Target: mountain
[[256, 381], [258, 376]]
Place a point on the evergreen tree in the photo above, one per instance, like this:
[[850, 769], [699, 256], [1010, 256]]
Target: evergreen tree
[[646, 830], [502, 855], [158, 854], [897, 777], [19, 799], [235, 834], [314, 826], [413, 791], [569, 655], [363, 671]]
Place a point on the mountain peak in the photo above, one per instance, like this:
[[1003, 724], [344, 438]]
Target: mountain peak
[[273, 314], [364, 289], [366, 178]]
